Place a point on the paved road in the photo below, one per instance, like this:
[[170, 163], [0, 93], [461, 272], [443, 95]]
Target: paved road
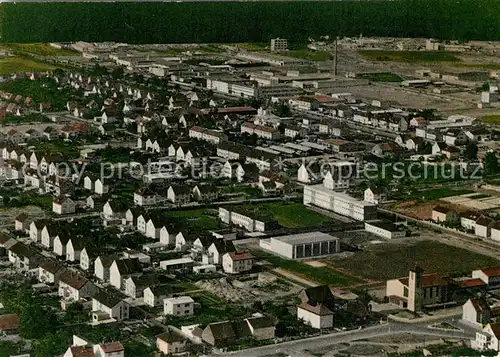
[[298, 348]]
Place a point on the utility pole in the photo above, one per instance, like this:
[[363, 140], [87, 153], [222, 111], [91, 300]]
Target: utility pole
[[335, 55]]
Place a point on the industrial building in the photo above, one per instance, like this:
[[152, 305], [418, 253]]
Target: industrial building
[[306, 245]]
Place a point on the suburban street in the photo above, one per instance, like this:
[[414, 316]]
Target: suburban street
[[298, 348]]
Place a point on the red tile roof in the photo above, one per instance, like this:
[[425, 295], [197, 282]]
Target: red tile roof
[[9, 322], [470, 283], [428, 280], [492, 271], [111, 347]]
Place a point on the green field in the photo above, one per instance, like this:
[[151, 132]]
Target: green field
[[308, 55], [40, 49], [197, 220], [253, 47], [321, 275], [491, 119], [389, 261], [380, 77], [291, 215], [17, 64], [410, 56]]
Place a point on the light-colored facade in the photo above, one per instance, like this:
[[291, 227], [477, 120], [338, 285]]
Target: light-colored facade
[[306, 245], [178, 306], [385, 230], [316, 318], [341, 203], [235, 263]]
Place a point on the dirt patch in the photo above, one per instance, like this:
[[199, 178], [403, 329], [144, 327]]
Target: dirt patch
[[261, 287], [315, 263]]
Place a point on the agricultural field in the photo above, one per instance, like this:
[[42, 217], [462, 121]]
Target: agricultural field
[[15, 64], [381, 77], [389, 261], [308, 55], [320, 275], [423, 194], [410, 56], [39, 49]]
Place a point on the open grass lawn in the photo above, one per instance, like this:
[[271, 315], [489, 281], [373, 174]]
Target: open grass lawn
[[491, 119], [16, 64], [390, 261], [381, 77], [196, 220], [410, 56], [321, 275], [292, 214], [308, 55], [40, 49]]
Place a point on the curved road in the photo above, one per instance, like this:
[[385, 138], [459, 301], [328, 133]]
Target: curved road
[[298, 348]]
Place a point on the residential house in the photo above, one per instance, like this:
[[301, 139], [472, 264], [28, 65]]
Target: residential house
[[21, 223], [60, 243], [154, 295], [74, 249], [374, 195], [145, 196], [73, 286], [63, 205], [445, 214], [171, 342], [488, 338], [205, 193], [9, 324], [490, 276], [179, 194], [24, 258], [235, 263], [102, 265], [107, 305], [50, 271], [87, 258], [316, 307], [476, 312], [122, 269], [178, 306]]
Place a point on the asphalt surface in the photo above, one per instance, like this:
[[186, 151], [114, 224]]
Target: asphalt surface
[[298, 348]]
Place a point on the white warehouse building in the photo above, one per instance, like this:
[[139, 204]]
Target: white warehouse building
[[341, 203], [306, 245]]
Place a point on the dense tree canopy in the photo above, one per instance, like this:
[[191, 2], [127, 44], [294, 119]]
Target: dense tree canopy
[[160, 22]]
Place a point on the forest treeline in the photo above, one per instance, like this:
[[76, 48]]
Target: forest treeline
[[258, 21]]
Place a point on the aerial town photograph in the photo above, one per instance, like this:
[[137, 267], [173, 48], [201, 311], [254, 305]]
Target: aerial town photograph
[[250, 178]]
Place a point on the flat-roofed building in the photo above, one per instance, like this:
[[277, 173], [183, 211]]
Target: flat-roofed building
[[341, 203], [305, 245], [385, 229]]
